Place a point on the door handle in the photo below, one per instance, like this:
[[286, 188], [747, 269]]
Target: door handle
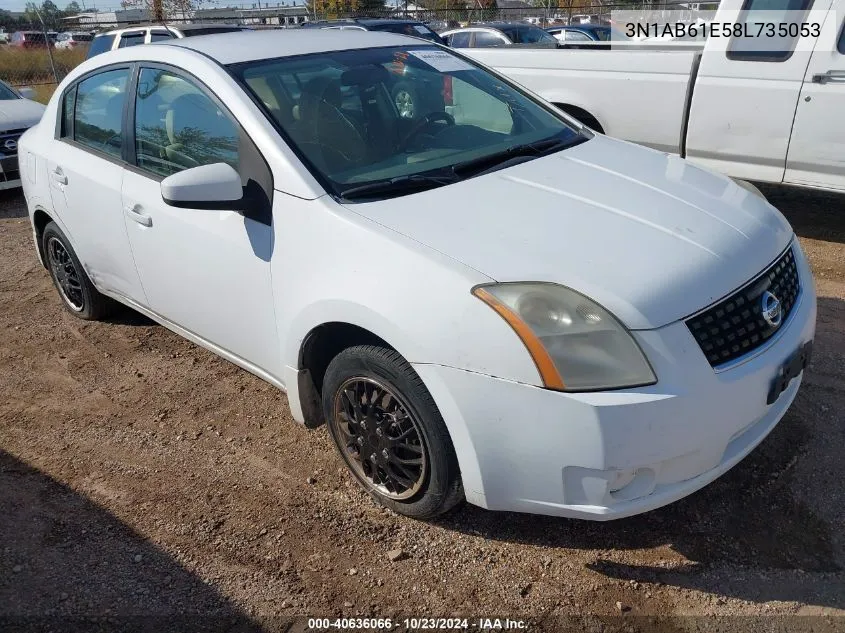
[[59, 176], [134, 213], [831, 76]]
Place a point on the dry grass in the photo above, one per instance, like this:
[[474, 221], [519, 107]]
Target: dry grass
[[43, 92], [22, 67]]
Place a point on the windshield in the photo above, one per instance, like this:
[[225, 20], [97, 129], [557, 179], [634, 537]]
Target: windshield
[[370, 115], [7, 93]]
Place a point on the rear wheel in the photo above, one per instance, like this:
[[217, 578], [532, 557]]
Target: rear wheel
[[389, 432], [77, 293]]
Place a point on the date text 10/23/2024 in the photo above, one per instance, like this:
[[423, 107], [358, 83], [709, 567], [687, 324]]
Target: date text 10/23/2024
[[417, 624]]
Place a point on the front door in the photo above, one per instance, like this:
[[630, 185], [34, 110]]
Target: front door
[[206, 271], [817, 147]]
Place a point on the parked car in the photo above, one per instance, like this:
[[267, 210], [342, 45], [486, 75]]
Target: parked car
[[410, 102], [17, 114], [586, 34], [135, 35], [68, 40], [499, 34], [29, 39], [438, 26], [492, 302], [413, 28], [755, 110]]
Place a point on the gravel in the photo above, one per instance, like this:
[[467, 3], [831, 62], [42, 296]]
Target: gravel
[[120, 494]]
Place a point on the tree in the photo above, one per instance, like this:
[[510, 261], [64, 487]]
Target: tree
[[170, 9], [72, 8], [333, 9]]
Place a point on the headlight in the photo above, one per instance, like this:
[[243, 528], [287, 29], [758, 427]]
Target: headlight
[[576, 344]]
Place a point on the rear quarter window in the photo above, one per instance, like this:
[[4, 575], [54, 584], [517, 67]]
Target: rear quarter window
[[100, 44]]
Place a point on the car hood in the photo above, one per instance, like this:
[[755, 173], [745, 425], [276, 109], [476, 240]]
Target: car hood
[[649, 236], [19, 113]]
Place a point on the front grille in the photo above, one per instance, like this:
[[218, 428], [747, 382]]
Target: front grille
[[10, 135], [735, 326], [9, 169]]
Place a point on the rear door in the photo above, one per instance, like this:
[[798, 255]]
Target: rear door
[[85, 170], [817, 147]]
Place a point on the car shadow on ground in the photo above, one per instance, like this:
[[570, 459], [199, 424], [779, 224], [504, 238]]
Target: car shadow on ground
[[750, 520], [816, 215], [66, 564]]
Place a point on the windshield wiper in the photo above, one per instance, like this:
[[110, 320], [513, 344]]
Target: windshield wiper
[[498, 160], [398, 185]]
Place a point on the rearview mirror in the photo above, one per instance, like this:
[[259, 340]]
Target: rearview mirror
[[215, 186], [26, 92]]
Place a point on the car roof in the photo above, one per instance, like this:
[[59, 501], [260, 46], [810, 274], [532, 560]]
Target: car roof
[[244, 46], [387, 21]]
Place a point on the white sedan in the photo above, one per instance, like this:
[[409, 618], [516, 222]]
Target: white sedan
[[486, 301]]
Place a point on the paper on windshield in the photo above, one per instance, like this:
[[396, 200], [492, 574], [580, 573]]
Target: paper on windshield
[[441, 60]]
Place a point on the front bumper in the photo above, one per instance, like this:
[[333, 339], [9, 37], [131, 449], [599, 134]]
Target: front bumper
[[609, 455]]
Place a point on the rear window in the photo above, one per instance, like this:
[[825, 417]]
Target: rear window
[[100, 44], [414, 30], [210, 31], [83, 37]]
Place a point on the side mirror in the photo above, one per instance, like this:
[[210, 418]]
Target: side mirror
[[215, 186], [26, 92]]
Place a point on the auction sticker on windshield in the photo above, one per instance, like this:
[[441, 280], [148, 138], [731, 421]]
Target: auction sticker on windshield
[[441, 60]]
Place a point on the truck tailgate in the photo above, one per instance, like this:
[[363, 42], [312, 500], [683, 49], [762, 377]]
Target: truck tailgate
[[635, 95]]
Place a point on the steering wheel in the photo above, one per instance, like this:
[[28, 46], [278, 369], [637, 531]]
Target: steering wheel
[[424, 122]]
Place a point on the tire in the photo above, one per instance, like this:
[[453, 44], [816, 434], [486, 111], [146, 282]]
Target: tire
[[404, 419], [78, 294], [406, 101]]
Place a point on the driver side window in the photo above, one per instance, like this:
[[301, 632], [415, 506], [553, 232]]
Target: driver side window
[[178, 126], [98, 111]]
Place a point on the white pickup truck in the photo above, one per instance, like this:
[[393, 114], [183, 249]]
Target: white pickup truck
[[775, 118]]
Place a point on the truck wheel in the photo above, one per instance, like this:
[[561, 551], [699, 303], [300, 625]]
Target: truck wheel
[[388, 431]]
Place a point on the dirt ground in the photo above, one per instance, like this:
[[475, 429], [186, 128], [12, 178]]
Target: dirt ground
[[142, 476]]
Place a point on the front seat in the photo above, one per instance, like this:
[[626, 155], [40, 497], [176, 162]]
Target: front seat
[[337, 138]]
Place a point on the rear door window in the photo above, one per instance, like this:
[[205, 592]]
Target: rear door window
[[160, 36], [98, 112], [133, 38], [485, 39], [460, 40], [101, 44]]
